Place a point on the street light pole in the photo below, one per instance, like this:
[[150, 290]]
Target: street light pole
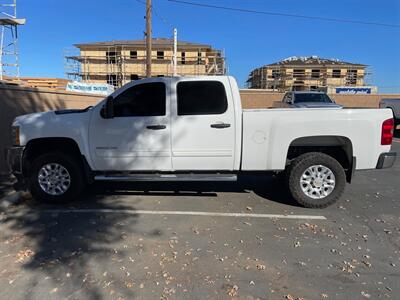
[[175, 57]]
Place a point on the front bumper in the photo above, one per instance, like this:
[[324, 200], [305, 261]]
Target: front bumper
[[386, 160], [14, 157]]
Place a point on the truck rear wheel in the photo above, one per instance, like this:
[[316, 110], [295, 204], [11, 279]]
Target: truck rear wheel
[[55, 177], [316, 180]]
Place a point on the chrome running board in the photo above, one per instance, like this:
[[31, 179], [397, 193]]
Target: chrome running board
[[167, 177]]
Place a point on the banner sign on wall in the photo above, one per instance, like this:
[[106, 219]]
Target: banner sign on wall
[[90, 88], [353, 90]]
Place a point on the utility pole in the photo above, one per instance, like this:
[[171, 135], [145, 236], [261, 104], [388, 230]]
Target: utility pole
[[148, 38], [175, 58]]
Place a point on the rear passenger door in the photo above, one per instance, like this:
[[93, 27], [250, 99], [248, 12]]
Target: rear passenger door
[[203, 125]]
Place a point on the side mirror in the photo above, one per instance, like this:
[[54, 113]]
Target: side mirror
[[107, 112]]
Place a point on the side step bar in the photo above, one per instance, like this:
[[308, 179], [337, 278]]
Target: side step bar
[[167, 177]]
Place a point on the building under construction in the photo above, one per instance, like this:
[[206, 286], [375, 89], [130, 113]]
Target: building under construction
[[307, 73], [119, 62]]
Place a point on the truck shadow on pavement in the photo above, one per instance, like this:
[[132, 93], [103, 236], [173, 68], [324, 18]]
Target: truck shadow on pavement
[[65, 254], [269, 187], [68, 255]]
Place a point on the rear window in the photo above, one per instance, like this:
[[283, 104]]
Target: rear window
[[201, 98], [300, 98]]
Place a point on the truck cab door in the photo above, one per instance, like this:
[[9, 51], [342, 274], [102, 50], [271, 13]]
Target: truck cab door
[[138, 136], [203, 124]]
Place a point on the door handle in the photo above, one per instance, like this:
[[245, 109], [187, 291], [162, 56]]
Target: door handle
[[220, 125], [156, 127]]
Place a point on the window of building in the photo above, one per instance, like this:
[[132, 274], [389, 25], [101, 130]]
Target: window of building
[[299, 73], [183, 58], [134, 77], [201, 98], [141, 100], [160, 54], [276, 74], [111, 57], [160, 75], [112, 79], [199, 61], [133, 55], [336, 73], [351, 77], [315, 73]]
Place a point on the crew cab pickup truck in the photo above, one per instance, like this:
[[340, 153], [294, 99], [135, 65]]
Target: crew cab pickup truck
[[194, 129]]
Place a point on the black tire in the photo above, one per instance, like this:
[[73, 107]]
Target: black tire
[[77, 181], [300, 165]]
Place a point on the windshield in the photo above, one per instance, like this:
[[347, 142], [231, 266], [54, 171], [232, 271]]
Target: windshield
[[300, 98]]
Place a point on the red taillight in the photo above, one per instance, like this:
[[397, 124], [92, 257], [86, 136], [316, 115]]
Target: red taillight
[[387, 132]]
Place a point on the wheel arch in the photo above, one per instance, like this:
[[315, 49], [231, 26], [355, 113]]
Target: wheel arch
[[36, 147], [338, 147]]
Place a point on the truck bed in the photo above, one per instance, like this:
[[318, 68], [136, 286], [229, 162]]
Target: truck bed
[[268, 133]]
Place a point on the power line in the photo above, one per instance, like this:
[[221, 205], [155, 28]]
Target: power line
[[165, 21], [285, 14]]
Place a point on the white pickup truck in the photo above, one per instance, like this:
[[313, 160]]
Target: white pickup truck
[[194, 129]]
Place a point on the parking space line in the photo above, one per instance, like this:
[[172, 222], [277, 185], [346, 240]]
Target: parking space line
[[183, 213]]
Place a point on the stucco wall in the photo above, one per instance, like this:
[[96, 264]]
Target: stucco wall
[[16, 101], [263, 99]]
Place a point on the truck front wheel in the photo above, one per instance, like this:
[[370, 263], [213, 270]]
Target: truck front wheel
[[316, 180], [55, 177]]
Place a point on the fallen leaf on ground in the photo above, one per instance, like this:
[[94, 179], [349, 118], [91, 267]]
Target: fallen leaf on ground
[[24, 254], [260, 267], [366, 295], [233, 291]]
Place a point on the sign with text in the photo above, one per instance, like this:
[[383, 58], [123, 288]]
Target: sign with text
[[353, 90], [90, 88]]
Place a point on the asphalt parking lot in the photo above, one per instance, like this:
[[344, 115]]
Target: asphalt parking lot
[[206, 240]]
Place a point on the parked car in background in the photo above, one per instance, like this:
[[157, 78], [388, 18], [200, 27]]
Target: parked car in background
[[394, 105], [306, 99]]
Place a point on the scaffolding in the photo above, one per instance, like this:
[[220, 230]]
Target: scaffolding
[[9, 54], [120, 64]]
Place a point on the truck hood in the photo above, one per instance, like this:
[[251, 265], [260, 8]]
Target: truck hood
[[31, 118], [34, 117], [59, 123], [317, 105]]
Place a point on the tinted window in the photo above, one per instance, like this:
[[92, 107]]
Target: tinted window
[[312, 98], [141, 100], [201, 98]]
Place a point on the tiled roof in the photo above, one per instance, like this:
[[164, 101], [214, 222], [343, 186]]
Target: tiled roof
[[141, 43], [312, 60]]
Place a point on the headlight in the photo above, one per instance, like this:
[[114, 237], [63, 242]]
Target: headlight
[[15, 135]]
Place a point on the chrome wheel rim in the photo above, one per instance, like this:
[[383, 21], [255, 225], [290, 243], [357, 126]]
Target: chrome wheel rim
[[317, 182], [54, 179]]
